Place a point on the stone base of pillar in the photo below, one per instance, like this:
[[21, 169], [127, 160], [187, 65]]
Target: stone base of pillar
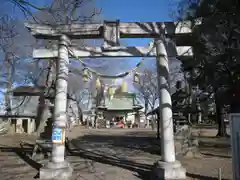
[[61, 171], [168, 171]]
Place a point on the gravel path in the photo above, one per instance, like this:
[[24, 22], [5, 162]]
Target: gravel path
[[113, 155]]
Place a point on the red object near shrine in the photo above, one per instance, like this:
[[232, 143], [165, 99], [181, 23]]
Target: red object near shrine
[[120, 124]]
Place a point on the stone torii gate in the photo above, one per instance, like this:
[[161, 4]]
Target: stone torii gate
[[166, 168]]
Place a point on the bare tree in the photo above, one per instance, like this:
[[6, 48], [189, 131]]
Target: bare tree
[[147, 90], [10, 49]]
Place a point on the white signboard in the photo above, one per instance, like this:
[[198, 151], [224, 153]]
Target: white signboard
[[235, 142]]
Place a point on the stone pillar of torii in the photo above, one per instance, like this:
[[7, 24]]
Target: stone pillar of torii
[[166, 168]]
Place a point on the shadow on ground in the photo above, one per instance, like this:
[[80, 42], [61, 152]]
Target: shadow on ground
[[120, 150], [202, 177], [215, 144], [24, 154], [129, 144], [142, 170], [217, 155], [117, 151]]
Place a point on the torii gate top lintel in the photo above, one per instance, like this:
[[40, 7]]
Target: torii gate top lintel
[[99, 30]]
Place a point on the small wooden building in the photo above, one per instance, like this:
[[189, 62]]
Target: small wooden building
[[24, 109], [20, 123]]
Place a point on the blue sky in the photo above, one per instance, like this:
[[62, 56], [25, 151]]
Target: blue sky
[[136, 10]]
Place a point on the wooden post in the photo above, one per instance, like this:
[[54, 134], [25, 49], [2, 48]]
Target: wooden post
[[60, 105], [168, 167], [58, 168], [111, 34], [165, 104]]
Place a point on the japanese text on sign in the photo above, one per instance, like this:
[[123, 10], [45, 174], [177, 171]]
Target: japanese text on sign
[[58, 136]]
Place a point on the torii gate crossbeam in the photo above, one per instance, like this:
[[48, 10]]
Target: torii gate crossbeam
[[99, 52], [181, 32], [111, 32]]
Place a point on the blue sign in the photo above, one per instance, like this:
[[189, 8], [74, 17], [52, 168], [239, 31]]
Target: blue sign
[[58, 135]]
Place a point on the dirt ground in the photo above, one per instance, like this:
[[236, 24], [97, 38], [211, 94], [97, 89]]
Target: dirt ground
[[117, 154]]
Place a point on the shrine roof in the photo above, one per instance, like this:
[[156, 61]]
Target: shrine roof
[[123, 101]]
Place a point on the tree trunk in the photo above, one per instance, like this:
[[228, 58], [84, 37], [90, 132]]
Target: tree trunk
[[188, 89], [235, 100], [158, 126], [145, 112], [43, 106], [9, 80], [220, 118], [42, 115], [153, 122], [80, 114], [7, 95]]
